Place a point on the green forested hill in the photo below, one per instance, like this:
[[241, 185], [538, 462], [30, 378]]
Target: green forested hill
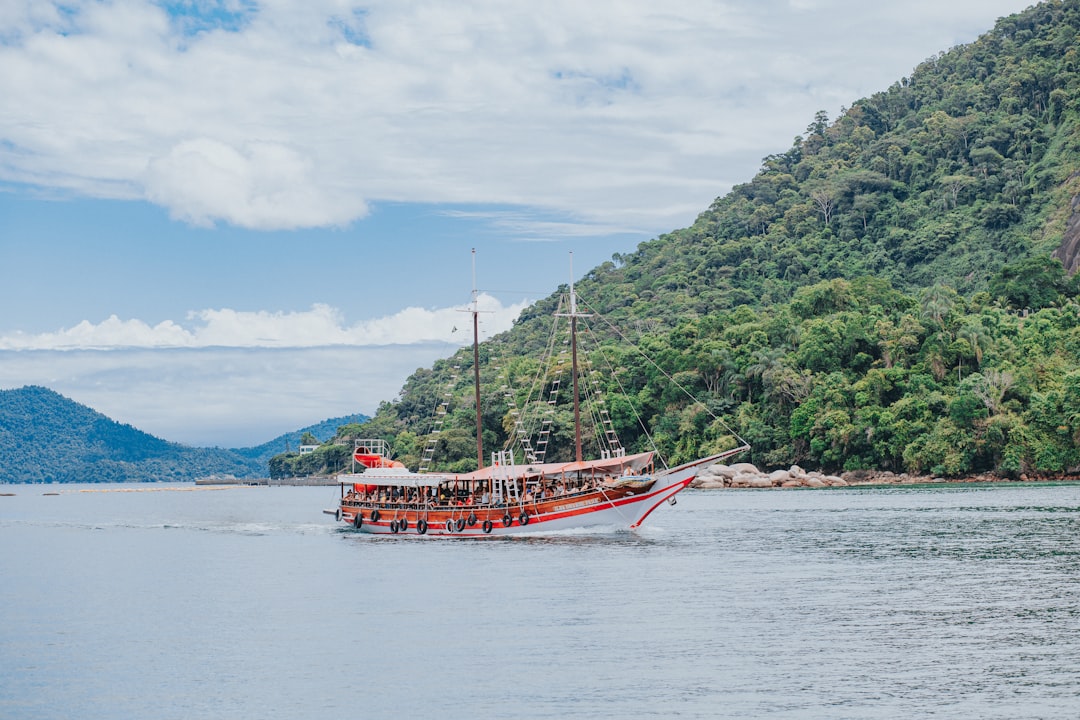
[[887, 293], [49, 438]]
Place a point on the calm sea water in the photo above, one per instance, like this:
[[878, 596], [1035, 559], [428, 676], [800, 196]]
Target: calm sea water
[[959, 602]]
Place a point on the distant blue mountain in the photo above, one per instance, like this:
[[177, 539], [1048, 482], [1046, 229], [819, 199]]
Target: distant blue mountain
[[48, 438]]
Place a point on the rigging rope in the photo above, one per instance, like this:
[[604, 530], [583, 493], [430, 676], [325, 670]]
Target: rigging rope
[[663, 372]]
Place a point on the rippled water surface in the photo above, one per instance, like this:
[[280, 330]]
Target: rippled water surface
[[958, 602]]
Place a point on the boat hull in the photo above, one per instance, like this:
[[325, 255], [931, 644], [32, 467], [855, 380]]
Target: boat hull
[[599, 508]]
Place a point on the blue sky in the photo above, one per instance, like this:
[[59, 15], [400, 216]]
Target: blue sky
[[224, 219]]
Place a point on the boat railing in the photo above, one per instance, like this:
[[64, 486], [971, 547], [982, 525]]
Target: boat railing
[[496, 502], [372, 446]]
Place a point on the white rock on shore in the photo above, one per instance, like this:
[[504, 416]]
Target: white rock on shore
[[746, 475]]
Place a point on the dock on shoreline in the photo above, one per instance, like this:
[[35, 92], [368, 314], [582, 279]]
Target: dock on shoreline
[[311, 481]]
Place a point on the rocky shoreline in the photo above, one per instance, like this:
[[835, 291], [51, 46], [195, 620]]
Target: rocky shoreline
[[747, 475]]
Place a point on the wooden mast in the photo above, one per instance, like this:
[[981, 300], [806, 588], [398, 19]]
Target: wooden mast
[[574, 363], [476, 369]]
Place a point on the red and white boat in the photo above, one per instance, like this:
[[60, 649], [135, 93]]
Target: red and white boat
[[509, 499], [516, 493]]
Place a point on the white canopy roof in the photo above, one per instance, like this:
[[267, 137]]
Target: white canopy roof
[[395, 477], [400, 477]]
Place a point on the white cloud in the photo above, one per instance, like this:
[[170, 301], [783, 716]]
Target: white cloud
[[263, 186], [227, 397], [300, 114], [234, 378], [322, 325]]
